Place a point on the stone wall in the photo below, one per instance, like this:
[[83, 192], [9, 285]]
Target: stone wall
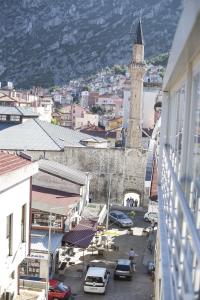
[[125, 169]]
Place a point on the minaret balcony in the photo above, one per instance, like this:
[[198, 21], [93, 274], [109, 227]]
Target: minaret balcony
[[135, 65]]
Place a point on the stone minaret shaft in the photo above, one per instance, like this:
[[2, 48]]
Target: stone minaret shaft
[[137, 69]]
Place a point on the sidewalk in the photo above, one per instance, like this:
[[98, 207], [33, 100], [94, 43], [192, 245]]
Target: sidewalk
[[29, 295]]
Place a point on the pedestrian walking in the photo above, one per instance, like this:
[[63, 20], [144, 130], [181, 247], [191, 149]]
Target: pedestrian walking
[[131, 202], [132, 256], [128, 202]]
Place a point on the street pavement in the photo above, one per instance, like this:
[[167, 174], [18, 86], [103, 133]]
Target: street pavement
[[141, 286]]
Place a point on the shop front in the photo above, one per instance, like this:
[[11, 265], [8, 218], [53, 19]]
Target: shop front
[[35, 266]]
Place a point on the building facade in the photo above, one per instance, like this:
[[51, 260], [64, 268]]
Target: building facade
[[178, 244], [15, 196]]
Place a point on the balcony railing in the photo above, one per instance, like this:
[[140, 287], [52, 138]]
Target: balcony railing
[[179, 237]]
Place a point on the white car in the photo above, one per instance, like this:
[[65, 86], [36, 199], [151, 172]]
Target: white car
[[96, 280], [151, 216]]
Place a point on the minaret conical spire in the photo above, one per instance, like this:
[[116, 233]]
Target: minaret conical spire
[[139, 34], [137, 69]]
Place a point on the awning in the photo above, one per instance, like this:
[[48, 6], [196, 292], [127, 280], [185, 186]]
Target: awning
[[40, 241], [82, 235], [45, 199]]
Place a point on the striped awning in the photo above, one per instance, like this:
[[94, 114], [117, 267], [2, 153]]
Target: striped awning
[[82, 235]]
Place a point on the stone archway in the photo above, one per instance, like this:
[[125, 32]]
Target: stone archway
[[132, 198]]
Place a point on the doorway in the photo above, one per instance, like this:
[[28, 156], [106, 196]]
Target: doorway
[[132, 199]]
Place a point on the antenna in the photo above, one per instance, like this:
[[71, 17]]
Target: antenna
[[140, 15]]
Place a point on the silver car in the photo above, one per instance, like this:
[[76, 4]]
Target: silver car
[[120, 219], [123, 269]]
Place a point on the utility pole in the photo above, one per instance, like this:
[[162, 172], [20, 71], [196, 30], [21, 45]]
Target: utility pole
[[108, 202], [49, 245]]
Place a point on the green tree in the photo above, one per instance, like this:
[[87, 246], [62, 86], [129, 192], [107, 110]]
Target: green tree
[[86, 88]]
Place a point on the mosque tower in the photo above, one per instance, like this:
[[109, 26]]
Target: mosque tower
[[137, 69]]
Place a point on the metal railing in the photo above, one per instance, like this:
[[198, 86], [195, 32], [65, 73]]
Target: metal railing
[[179, 238]]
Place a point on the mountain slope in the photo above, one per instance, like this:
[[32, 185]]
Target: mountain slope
[[46, 42]]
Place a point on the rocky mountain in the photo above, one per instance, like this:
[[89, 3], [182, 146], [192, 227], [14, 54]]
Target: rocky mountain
[[47, 42]]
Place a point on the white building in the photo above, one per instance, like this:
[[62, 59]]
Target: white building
[[178, 246], [87, 119], [148, 102], [44, 107], [84, 98], [15, 199]]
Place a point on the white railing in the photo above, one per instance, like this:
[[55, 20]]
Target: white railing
[[179, 238]]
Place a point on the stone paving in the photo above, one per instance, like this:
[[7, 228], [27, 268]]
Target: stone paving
[[141, 286]]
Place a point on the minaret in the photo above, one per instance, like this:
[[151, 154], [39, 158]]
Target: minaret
[[137, 69]]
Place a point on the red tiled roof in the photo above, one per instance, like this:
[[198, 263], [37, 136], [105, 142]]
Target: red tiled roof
[[82, 235], [154, 183], [10, 162]]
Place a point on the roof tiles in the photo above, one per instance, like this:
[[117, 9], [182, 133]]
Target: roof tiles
[[11, 162]]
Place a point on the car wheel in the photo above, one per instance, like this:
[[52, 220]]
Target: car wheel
[[115, 277]]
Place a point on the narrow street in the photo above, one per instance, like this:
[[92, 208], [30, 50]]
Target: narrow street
[[141, 286]]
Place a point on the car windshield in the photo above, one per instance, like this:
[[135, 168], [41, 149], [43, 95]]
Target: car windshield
[[94, 279], [123, 267], [62, 288], [121, 216]]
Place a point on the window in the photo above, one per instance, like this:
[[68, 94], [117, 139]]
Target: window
[[30, 267], [195, 186], [23, 224], [2, 117], [15, 118], [94, 279], [9, 233], [43, 220], [196, 139], [179, 121]]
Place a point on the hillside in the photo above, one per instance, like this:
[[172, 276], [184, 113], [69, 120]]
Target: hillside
[[46, 42]]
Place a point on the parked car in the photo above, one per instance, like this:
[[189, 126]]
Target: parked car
[[123, 269], [120, 219], [96, 280], [58, 290], [151, 216]]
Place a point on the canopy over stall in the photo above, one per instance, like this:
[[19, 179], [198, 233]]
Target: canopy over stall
[[82, 235]]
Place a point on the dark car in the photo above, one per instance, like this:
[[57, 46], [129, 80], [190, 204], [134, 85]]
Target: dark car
[[58, 290], [123, 269], [120, 219]]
